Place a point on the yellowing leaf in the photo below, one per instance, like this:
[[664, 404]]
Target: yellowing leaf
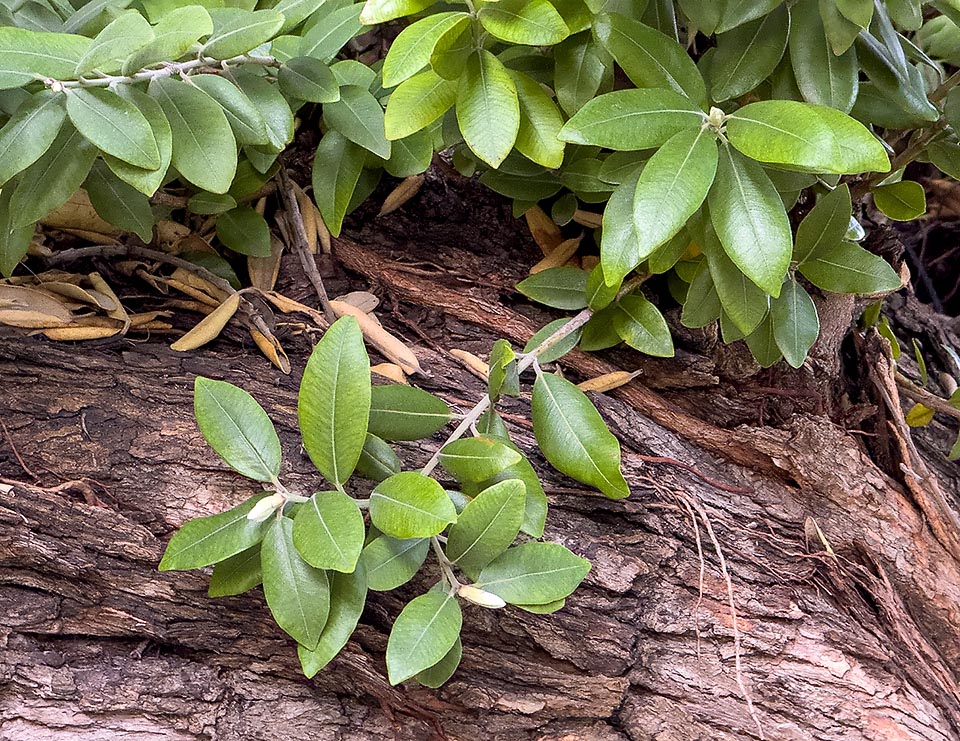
[[544, 231], [919, 416], [31, 309], [608, 381], [558, 257], [210, 327], [390, 370], [472, 363], [386, 343], [270, 346], [66, 334], [407, 189]]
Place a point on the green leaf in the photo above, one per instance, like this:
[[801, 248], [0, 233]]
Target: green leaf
[[744, 302], [237, 574], [841, 33], [296, 12], [796, 325], [123, 36], [763, 343], [559, 349], [208, 540], [823, 77], [487, 526], [237, 428], [599, 294], [50, 181], [619, 243], [378, 461], [825, 226], [328, 531], [671, 188], [439, 673], [806, 137], [561, 288], [702, 305], [581, 68], [210, 203], [748, 54], [120, 204], [919, 416], [544, 609], [476, 459], [750, 220], [573, 437], [848, 268], [26, 56], [245, 120], [410, 505], [174, 34], [531, 22], [540, 123], [399, 412], [145, 181], [271, 104], [632, 119], [502, 375], [410, 51], [204, 149], [348, 595], [534, 574], [381, 11], [29, 133], [334, 400], [325, 39], [641, 325], [298, 595], [650, 58], [417, 103], [114, 125], [411, 155], [336, 171], [309, 79], [14, 242], [856, 11], [901, 201], [390, 562], [237, 31], [243, 230], [921, 363], [487, 93], [423, 633], [359, 117]]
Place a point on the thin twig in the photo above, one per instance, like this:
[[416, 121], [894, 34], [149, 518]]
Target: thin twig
[[16, 453], [703, 569], [931, 401]]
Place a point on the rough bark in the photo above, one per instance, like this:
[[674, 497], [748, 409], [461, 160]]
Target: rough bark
[[843, 568]]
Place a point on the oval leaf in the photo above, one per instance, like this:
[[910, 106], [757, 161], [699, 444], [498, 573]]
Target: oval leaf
[[534, 574], [423, 633], [208, 540], [411, 505], [328, 531], [399, 412], [487, 526]]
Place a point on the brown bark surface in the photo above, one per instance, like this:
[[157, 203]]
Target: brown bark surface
[[839, 538]]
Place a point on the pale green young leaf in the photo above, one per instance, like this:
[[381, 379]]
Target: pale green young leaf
[[390, 562], [437, 675], [26, 56], [237, 574], [417, 103], [114, 125], [29, 133], [902, 201], [796, 325], [560, 288], [531, 22], [328, 531], [207, 540], [410, 51], [145, 181], [50, 181], [649, 57], [336, 171], [298, 595], [410, 505], [243, 230], [204, 148], [641, 325], [502, 375], [672, 186], [487, 93], [378, 461], [540, 123], [119, 203], [825, 226], [381, 11], [174, 34], [348, 595], [750, 220], [399, 412], [748, 54], [574, 438], [487, 526], [848, 268], [309, 79], [271, 104], [823, 77], [476, 459], [422, 634], [237, 31], [632, 119], [334, 400], [360, 118], [127, 33], [534, 574], [325, 40], [245, 119]]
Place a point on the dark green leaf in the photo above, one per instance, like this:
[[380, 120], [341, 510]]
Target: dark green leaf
[[390, 562], [208, 540], [378, 461], [561, 288], [748, 54], [423, 633], [359, 117], [641, 325], [399, 412], [848, 268], [328, 531], [822, 76], [336, 171], [243, 230], [534, 574], [122, 205], [245, 120], [795, 323], [237, 574], [557, 350], [825, 226], [29, 133], [439, 673], [348, 595]]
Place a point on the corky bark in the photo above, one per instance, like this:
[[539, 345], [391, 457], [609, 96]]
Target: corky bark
[[846, 582]]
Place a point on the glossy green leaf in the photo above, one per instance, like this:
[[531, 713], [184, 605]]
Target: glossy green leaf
[[381, 11], [126, 34], [145, 181], [422, 634], [119, 203], [298, 595], [796, 325], [573, 437], [378, 461], [389, 562], [272, 106], [29, 133], [641, 325], [581, 69], [702, 304], [237, 574], [825, 226], [750, 220], [410, 505], [902, 201], [309, 79], [410, 51], [29, 55], [237, 31], [556, 350], [174, 34], [245, 231], [348, 595], [534, 574], [744, 302], [823, 77], [411, 155], [208, 540], [763, 343], [487, 93], [417, 103], [476, 459], [336, 171], [399, 412], [114, 125], [848, 268], [531, 22], [360, 118], [204, 149], [502, 375], [619, 243], [328, 531], [325, 40], [748, 54], [439, 673], [540, 124], [561, 288], [487, 526], [599, 294], [841, 33]]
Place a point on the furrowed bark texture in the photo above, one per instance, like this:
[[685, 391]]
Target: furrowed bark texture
[[840, 547]]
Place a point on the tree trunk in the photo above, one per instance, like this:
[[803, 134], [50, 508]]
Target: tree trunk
[[794, 496]]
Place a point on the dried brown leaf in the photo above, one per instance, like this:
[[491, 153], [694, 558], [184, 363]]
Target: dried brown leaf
[[392, 348], [210, 326], [545, 233], [406, 190], [559, 257]]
